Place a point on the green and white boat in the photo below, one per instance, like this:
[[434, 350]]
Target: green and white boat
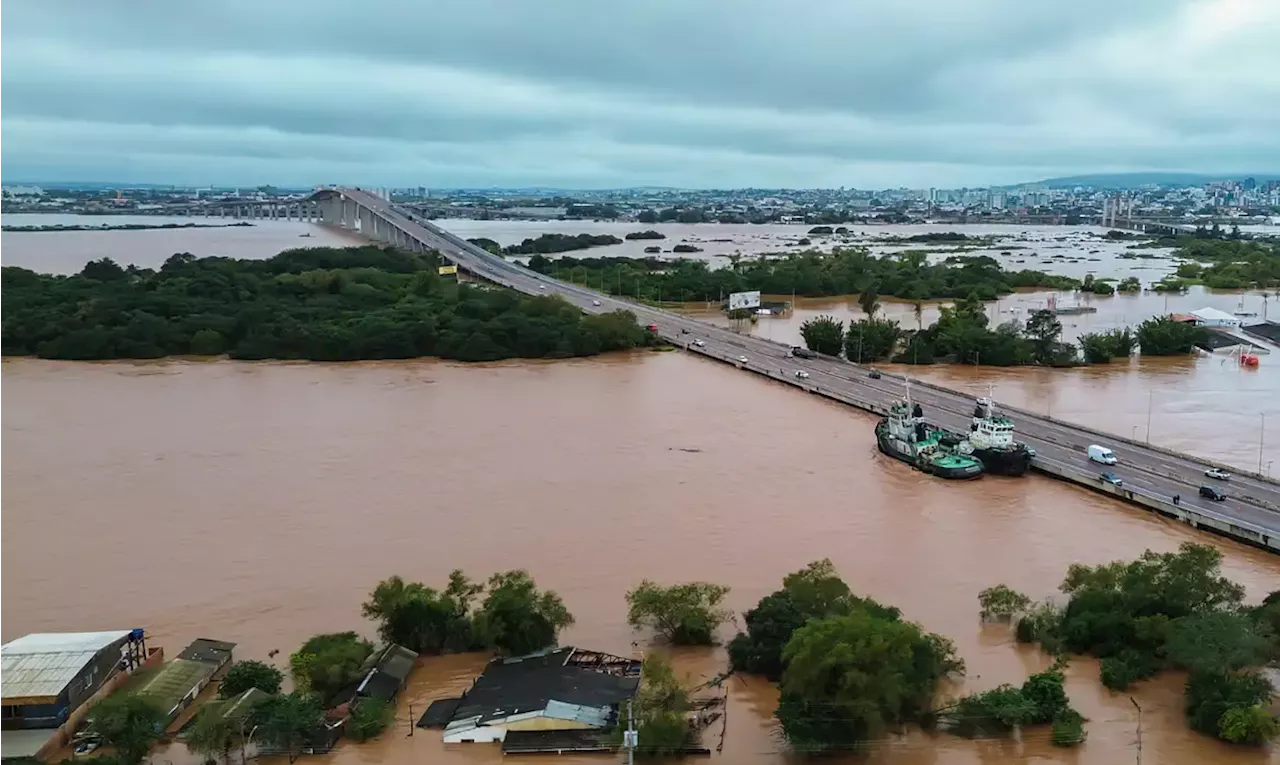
[[903, 434]]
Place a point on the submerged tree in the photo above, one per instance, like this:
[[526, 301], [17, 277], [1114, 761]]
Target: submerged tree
[[684, 614], [516, 618], [824, 334]]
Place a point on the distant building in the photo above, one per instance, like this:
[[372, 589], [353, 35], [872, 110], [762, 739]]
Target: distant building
[[560, 689], [47, 676]]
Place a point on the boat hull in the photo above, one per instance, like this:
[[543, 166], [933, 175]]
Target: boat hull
[[1011, 462], [900, 451]]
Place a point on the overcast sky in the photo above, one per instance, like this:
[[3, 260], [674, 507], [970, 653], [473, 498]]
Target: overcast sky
[[607, 93]]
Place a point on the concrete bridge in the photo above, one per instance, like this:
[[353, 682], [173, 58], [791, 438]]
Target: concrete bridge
[[1152, 474]]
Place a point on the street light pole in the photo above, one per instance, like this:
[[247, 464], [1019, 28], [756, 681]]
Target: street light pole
[[1151, 398], [1262, 432]]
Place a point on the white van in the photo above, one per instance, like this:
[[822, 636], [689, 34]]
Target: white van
[[1101, 454]]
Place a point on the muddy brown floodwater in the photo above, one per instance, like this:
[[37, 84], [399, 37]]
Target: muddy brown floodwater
[[260, 503]]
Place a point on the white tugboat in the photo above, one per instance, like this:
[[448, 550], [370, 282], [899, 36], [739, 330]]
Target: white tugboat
[[903, 434], [991, 436]]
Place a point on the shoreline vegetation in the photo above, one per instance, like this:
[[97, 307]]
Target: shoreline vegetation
[[316, 304], [119, 227], [849, 670]]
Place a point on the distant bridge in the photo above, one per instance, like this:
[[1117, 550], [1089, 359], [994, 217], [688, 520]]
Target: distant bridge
[[1152, 475]]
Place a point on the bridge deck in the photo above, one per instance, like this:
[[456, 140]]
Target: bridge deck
[[1152, 475]]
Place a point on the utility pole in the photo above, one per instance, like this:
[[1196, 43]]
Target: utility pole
[[1151, 398], [630, 737], [1135, 705], [1262, 434]]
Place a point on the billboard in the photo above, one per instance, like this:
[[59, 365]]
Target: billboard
[[738, 300], [446, 270]]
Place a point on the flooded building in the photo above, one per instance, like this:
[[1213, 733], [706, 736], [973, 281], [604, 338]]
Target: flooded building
[[560, 689], [175, 684], [47, 677]]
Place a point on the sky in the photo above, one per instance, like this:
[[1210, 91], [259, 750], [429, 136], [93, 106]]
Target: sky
[[616, 93]]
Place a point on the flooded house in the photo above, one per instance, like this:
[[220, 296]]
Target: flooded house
[[567, 693]]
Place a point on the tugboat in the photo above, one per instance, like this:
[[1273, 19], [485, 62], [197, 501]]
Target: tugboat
[[904, 435], [991, 437]]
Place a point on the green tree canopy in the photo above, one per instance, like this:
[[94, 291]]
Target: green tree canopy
[[516, 618], [291, 722], [824, 334], [326, 664], [423, 619], [129, 723], [684, 614], [849, 678], [213, 734], [243, 675]]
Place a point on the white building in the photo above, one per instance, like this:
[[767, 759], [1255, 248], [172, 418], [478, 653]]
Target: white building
[[1212, 317]]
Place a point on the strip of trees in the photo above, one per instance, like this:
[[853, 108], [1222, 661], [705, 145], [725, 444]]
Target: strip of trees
[[1163, 611], [319, 304]]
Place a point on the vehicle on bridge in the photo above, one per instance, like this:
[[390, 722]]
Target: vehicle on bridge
[[803, 353], [1218, 474], [803, 375], [1209, 492], [700, 343], [874, 374], [595, 302], [1101, 454], [742, 359], [1111, 478]]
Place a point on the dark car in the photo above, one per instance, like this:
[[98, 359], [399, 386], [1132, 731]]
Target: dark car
[[874, 375], [1209, 492], [1111, 478]]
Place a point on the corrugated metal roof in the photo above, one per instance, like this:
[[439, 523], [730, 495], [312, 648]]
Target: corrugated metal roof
[[595, 716], [41, 665]]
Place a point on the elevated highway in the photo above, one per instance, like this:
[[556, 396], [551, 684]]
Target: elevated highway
[[1152, 475]]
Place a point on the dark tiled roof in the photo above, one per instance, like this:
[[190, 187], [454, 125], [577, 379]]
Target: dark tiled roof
[[439, 713], [527, 684]]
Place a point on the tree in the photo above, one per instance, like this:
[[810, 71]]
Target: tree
[[660, 709], [824, 334], [1217, 642], [849, 678], [104, 270], [869, 300], [213, 734], [516, 618], [326, 664], [1041, 700], [1252, 725], [1163, 336], [814, 592], [422, 619], [1002, 603], [243, 675], [871, 339], [684, 614], [290, 722], [1044, 329], [128, 723], [369, 718]]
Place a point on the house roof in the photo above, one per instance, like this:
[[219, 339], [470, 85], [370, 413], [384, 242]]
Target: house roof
[[169, 684], [215, 652], [40, 665], [1213, 314], [548, 682], [389, 673]]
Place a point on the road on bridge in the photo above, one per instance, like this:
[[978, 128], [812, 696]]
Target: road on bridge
[[1252, 502]]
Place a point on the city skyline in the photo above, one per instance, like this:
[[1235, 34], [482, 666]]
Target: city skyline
[[657, 94]]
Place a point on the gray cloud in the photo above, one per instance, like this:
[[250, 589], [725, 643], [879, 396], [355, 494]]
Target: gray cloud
[[690, 93]]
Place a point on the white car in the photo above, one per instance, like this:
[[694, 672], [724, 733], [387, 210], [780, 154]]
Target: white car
[[742, 359], [542, 286], [700, 343], [803, 375], [1221, 475], [595, 302]]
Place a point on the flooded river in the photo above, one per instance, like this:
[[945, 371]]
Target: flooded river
[[260, 503]]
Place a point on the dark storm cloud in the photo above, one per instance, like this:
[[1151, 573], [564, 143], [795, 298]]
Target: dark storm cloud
[[683, 93]]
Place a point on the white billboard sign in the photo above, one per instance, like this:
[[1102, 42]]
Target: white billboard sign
[[740, 300]]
